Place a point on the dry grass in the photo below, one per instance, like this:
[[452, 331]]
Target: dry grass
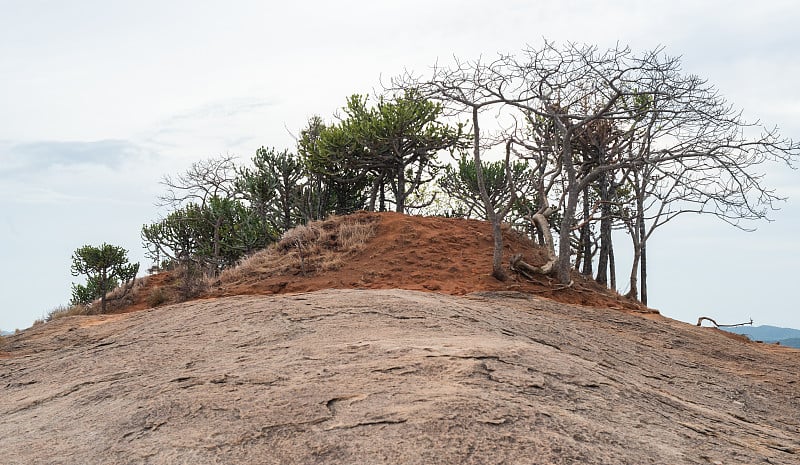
[[121, 291], [316, 247], [68, 310]]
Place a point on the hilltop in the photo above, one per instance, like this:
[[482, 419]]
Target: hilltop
[[382, 251], [318, 360]]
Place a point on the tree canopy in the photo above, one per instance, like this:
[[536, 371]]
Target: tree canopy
[[585, 141], [105, 267]]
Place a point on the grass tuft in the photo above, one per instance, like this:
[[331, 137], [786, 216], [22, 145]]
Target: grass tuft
[[68, 310], [316, 247]]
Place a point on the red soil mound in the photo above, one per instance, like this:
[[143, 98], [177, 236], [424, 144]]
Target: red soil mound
[[445, 255]]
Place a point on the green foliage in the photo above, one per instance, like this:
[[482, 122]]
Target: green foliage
[[391, 145], [85, 295], [174, 236], [214, 235], [104, 267], [334, 184], [461, 184], [274, 187]]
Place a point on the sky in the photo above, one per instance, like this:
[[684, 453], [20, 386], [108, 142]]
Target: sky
[[100, 99]]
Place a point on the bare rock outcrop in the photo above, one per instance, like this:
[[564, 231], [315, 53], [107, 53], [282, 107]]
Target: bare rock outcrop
[[392, 376]]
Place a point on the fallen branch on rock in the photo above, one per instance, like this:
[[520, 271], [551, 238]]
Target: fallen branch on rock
[[700, 321]]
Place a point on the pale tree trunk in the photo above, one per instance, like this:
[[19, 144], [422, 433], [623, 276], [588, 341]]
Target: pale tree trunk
[[643, 250], [542, 224], [564, 266], [633, 293], [491, 215]]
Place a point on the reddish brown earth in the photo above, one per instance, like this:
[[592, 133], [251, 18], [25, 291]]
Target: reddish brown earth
[[430, 254], [395, 376]]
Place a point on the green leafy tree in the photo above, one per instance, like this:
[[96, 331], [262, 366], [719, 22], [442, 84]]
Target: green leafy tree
[[334, 184], [211, 226], [274, 187], [104, 268], [211, 236], [393, 144], [460, 182]]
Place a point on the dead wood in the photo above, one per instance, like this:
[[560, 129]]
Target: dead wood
[[700, 321]]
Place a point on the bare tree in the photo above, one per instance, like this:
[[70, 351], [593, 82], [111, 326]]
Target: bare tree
[[472, 88], [682, 144], [205, 179], [695, 139]]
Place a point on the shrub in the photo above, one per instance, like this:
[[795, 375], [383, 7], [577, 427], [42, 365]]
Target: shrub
[[156, 297]]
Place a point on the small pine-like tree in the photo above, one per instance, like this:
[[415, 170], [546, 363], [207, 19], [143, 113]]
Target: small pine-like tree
[[104, 268]]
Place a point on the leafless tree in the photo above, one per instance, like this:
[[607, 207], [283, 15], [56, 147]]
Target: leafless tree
[[685, 149], [469, 87], [205, 179], [691, 135]]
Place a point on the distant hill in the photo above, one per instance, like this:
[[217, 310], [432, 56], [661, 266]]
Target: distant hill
[[785, 336], [791, 342], [5, 333]]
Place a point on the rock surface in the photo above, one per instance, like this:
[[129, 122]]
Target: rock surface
[[393, 376]]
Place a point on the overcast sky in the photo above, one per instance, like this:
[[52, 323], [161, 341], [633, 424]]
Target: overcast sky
[[99, 99]]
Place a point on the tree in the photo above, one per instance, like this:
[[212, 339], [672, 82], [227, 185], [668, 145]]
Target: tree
[[690, 149], [460, 182], [274, 187], [209, 237], [333, 184], [104, 266], [210, 226], [214, 177], [578, 86], [466, 88], [403, 136], [392, 144]]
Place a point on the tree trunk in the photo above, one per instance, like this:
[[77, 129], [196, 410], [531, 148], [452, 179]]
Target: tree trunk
[[497, 234], [643, 247], [382, 204], [605, 232], [287, 207], [586, 240], [373, 194], [103, 290], [612, 265], [400, 200], [540, 221], [634, 278], [643, 268], [564, 265]]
